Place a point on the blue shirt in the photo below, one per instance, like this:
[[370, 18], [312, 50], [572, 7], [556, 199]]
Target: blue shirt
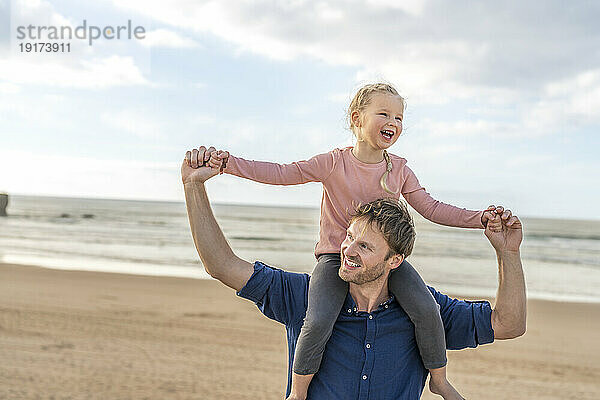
[[369, 355]]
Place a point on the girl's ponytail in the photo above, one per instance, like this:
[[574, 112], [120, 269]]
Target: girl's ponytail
[[388, 169]]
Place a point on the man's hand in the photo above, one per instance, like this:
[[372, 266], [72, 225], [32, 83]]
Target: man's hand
[[505, 232], [195, 166], [217, 257], [509, 316]]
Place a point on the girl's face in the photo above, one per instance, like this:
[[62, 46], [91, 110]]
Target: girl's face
[[380, 123]]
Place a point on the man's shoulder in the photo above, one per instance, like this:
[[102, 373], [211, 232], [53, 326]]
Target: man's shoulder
[[438, 296], [280, 295], [444, 299], [467, 323]]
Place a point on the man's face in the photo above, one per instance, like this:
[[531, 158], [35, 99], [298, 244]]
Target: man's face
[[364, 254]]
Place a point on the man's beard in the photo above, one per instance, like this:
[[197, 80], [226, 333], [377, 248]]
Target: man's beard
[[363, 275]]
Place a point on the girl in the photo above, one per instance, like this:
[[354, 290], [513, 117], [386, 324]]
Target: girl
[[349, 176]]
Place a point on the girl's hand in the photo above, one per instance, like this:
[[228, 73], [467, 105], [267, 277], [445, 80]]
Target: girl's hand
[[488, 215], [218, 160], [491, 212]]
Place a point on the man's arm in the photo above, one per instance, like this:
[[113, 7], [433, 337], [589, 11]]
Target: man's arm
[[219, 260], [510, 311]]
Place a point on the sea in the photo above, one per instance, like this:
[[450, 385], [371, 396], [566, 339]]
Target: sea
[[561, 258]]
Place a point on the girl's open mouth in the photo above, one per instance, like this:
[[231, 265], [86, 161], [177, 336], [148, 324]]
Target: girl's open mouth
[[387, 134]]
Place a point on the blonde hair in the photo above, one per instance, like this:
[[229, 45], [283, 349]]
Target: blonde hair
[[361, 100]]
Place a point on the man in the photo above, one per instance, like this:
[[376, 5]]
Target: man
[[372, 353]]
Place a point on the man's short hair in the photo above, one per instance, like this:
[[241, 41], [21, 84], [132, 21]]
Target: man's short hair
[[393, 220]]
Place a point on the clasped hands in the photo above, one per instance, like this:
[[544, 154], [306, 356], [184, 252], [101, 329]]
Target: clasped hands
[[201, 164]]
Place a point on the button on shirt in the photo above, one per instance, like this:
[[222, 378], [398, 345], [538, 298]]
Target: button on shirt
[[369, 355]]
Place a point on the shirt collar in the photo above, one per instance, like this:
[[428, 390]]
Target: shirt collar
[[351, 307]]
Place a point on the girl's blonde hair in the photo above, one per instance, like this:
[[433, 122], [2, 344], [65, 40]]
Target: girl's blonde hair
[[361, 100]]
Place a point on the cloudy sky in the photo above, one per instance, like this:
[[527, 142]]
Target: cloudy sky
[[503, 98]]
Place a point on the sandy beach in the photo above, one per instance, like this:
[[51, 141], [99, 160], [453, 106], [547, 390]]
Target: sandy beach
[[87, 335]]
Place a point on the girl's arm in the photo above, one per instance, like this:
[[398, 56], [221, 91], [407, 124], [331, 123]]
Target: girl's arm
[[315, 169], [434, 210]]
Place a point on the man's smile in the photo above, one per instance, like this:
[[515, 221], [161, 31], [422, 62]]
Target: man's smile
[[350, 265]]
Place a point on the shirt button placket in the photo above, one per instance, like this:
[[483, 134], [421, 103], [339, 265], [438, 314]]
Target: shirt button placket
[[369, 358]]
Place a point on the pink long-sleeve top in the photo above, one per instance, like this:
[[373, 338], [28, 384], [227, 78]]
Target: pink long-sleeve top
[[347, 182]]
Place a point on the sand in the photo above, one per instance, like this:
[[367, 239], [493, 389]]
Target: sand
[[87, 335]]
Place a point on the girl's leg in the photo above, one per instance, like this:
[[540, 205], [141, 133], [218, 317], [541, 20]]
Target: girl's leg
[[326, 295], [418, 302]]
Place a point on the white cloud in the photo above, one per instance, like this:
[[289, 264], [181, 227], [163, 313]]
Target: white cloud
[[579, 96], [342, 98], [167, 38], [52, 111], [88, 177], [81, 67], [9, 88], [413, 7], [528, 161], [328, 13], [466, 128], [142, 125], [147, 124], [251, 27], [93, 73], [200, 119], [564, 104], [35, 12], [435, 51]]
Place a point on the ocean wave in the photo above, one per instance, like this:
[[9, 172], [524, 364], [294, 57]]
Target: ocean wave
[[257, 238], [558, 235]]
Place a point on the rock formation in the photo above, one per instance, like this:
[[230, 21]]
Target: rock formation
[[3, 204]]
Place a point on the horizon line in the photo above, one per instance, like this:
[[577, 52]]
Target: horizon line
[[247, 204]]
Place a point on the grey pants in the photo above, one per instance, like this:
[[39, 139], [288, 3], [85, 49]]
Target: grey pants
[[326, 295]]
